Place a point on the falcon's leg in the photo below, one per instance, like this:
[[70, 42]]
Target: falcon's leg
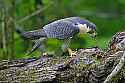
[[66, 45], [42, 47]]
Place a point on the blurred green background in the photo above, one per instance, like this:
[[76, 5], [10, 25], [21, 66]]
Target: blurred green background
[[17, 16]]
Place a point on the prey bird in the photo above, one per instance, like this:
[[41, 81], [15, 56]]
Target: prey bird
[[63, 29]]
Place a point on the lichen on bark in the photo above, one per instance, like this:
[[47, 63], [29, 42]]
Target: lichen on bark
[[90, 65]]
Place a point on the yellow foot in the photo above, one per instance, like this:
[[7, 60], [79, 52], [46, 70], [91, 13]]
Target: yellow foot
[[72, 53], [45, 54]]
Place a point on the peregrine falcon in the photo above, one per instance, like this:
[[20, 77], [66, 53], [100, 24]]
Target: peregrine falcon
[[63, 29]]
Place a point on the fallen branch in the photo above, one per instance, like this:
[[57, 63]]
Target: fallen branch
[[117, 69], [90, 65]]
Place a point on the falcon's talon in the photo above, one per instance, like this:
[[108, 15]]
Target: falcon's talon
[[72, 53], [45, 54]]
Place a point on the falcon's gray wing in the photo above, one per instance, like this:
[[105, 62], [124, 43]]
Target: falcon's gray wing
[[61, 29]]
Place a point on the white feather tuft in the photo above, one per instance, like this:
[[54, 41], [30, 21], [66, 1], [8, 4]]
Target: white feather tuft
[[83, 28]]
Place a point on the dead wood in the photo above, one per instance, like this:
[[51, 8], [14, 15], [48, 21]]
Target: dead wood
[[90, 65]]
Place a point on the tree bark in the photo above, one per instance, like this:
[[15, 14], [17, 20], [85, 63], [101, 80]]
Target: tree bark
[[90, 65]]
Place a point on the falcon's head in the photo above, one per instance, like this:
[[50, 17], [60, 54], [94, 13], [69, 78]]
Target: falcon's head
[[86, 26]]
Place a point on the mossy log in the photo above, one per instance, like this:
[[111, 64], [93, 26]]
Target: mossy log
[[90, 65]]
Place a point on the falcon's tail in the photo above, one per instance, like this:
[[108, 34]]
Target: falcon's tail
[[33, 35]]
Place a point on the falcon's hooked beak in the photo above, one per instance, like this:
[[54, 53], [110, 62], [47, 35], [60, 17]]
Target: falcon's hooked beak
[[92, 33]]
